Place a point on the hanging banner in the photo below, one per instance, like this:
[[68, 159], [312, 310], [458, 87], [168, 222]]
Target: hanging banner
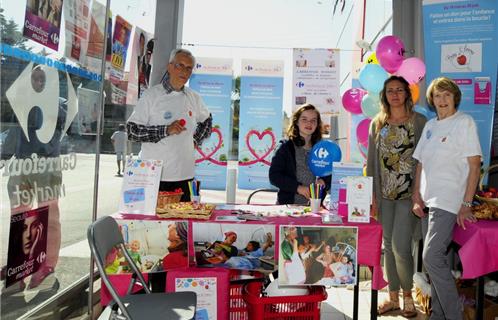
[[139, 66], [42, 22], [120, 41], [260, 124], [316, 80], [212, 79], [77, 18], [96, 38], [462, 38]]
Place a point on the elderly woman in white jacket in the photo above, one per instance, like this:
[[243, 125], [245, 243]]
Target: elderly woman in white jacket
[[449, 156]]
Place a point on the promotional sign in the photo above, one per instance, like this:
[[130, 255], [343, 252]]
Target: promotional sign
[[96, 37], [212, 79], [261, 104], [77, 19], [88, 108], [138, 79], [359, 198], [27, 244], [42, 22], [321, 157], [462, 38], [120, 41], [140, 186], [333, 262], [341, 170], [316, 81]]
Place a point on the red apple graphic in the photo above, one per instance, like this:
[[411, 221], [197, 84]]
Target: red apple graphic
[[461, 59], [182, 122]]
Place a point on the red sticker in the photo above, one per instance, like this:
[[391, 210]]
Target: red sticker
[[190, 113]]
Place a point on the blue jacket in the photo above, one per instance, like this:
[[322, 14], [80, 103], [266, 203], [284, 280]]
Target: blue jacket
[[283, 173]]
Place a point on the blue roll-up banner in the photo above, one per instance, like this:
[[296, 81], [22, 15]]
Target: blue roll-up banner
[[260, 128], [461, 37], [212, 79]]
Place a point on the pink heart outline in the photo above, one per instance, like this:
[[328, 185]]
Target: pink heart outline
[[207, 157], [260, 136]]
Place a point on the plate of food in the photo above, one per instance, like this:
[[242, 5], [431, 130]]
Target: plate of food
[[186, 210]]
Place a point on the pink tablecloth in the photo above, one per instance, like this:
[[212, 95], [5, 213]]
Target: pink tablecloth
[[479, 248], [369, 237]]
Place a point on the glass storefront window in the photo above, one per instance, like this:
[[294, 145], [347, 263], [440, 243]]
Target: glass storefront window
[[57, 119]]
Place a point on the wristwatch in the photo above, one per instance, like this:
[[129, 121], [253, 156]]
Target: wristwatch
[[467, 204]]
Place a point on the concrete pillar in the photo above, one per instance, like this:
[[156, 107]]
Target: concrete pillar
[[167, 34]]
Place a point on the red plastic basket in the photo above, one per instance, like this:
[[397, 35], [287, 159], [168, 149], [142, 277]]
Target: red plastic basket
[[237, 305], [288, 307]]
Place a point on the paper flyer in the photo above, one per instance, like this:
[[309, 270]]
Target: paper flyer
[[140, 186], [340, 171], [206, 291], [359, 198]]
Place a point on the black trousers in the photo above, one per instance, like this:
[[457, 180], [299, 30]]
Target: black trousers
[[173, 185]]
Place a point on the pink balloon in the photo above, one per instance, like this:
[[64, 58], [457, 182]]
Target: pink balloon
[[390, 52], [351, 100], [362, 132], [412, 69]]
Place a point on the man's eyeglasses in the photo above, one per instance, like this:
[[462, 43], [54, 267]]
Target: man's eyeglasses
[[182, 67], [395, 91]]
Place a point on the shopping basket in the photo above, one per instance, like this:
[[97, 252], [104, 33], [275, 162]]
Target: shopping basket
[[289, 307], [237, 305]]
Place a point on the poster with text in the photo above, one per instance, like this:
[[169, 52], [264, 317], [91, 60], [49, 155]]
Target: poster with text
[[318, 255], [140, 186], [340, 171], [27, 244], [462, 38], [42, 22], [359, 198], [77, 25], [260, 120], [120, 41], [316, 80], [153, 246], [138, 80], [96, 37], [88, 111], [212, 79]]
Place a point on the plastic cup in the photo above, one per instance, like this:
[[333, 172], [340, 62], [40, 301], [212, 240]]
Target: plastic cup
[[196, 201], [315, 205]]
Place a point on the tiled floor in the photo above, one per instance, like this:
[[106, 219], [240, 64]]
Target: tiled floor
[[339, 305]]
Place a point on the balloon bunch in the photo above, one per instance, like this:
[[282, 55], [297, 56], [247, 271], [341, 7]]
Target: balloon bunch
[[387, 59]]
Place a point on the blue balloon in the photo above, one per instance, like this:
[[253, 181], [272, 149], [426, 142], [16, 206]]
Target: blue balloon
[[425, 111], [321, 157], [372, 77]]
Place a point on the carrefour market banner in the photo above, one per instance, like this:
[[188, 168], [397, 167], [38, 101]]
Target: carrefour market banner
[[316, 81], [212, 79], [461, 39], [260, 125]]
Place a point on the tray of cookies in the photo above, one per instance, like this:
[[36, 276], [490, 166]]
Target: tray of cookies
[[186, 210]]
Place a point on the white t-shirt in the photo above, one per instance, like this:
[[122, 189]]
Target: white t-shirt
[[157, 107], [443, 150], [120, 140]]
